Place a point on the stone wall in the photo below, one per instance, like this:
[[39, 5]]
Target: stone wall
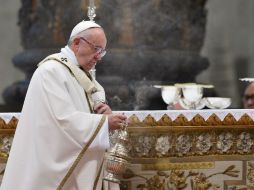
[[229, 46], [150, 42], [226, 39], [10, 44]]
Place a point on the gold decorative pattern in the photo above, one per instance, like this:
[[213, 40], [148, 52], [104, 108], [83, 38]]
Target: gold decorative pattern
[[2, 124], [197, 120], [12, 124], [181, 120], [149, 120], [186, 153], [165, 121], [187, 138], [250, 173], [7, 131], [180, 179], [245, 182], [246, 120], [191, 141], [214, 120], [178, 166], [133, 121], [229, 120], [180, 149]]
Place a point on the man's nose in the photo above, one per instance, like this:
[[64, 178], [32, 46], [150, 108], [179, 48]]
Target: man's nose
[[97, 57]]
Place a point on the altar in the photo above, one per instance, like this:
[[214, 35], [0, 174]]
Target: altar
[[185, 149]]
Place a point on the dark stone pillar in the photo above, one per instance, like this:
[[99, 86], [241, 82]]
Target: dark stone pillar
[[149, 42], [45, 26]]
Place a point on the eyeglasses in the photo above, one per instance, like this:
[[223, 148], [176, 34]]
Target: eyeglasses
[[98, 50], [248, 97]]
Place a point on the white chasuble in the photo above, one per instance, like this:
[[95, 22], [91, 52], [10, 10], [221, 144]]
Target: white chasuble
[[58, 143]]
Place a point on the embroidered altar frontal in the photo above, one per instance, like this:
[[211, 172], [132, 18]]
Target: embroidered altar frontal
[[187, 149]]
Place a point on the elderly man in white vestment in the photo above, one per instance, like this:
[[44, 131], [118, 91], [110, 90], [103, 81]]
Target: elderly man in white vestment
[[63, 130]]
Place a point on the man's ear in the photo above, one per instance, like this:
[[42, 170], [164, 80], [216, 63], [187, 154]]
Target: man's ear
[[75, 44], [76, 41]]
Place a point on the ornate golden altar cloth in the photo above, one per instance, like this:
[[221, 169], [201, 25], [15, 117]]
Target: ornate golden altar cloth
[[8, 123], [191, 149], [187, 149]]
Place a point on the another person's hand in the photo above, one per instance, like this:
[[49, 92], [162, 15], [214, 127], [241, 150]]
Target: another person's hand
[[116, 120], [102, 108]]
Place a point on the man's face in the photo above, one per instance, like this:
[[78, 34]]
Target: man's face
[[248, 98], [85, 49]]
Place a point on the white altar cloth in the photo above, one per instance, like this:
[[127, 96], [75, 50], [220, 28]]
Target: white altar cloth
[[189, 114], [8, 116], [173, 114]]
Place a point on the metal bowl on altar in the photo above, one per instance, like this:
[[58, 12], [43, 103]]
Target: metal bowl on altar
[[187, 105], [170, 94], [193, 93], [217, 102]]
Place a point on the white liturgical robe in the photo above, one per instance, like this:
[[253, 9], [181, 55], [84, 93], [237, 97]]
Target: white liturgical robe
[[59, 143]]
